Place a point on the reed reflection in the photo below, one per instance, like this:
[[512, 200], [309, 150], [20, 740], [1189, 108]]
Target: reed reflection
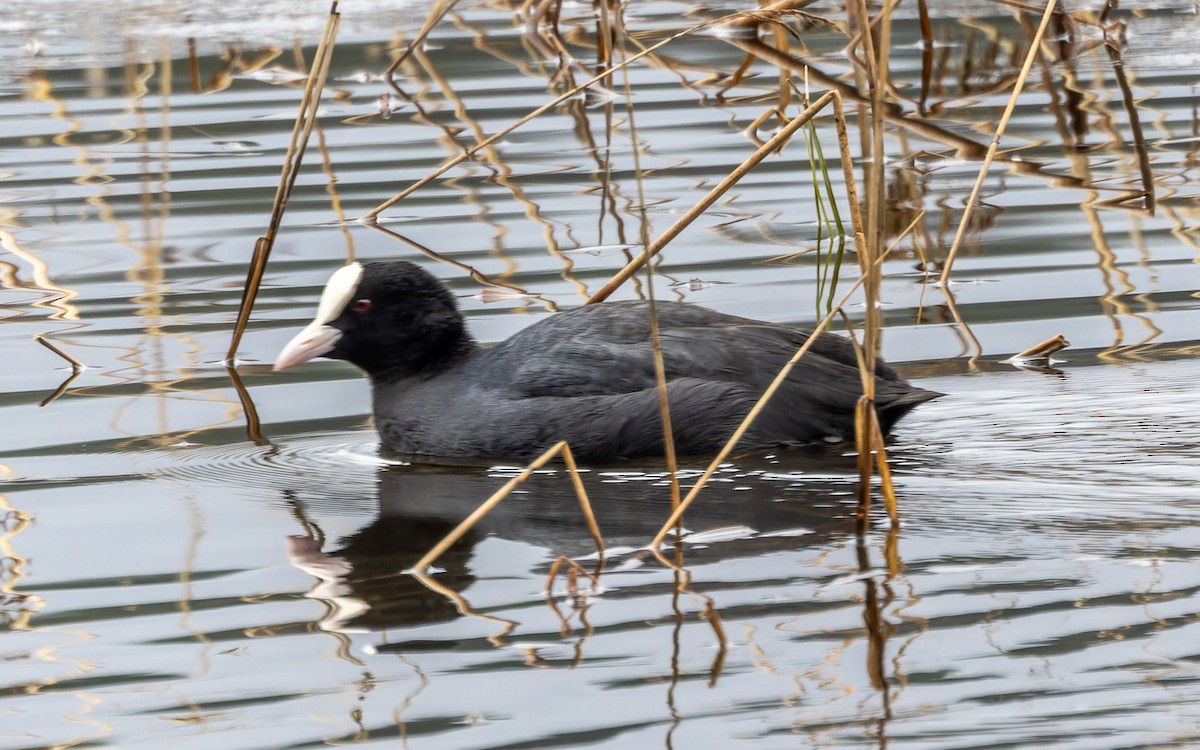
[[16, 606], [750, 510]]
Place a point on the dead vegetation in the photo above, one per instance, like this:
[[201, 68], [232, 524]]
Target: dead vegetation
[[772, 39], [585, 63]]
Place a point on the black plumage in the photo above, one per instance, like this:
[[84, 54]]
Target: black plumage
[[587, 376]]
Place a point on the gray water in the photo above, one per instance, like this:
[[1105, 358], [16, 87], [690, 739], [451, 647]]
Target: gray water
[[168, 578]]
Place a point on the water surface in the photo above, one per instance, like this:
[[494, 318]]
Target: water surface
[[168, 578]]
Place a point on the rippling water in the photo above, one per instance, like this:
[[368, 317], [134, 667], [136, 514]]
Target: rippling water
[[166, 577]]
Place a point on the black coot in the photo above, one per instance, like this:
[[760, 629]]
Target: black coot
[[585, 376]]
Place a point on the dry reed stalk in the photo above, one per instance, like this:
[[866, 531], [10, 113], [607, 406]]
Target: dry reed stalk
[[76, 365], [605, 33], [944, 280], [677, 515], [971, 341], [965, 148], [877, 627], [464, 607], [371, 215], [712, 196], [709, 614], [253, 423], [573, 571], [305, 119], [872, 23], [891, 554], [747, 421], [1044, 349], [335, 199], [862, 447], [194, 65], [610, 29], [1135, 126], [573, 592], [559, 448], [926, 54], [870, 445], [493, 160], [61, 389], [784, 97], [856, 214], [77, 369], [875, 76], [476, 275], [768, 12], [886, 488], [435, 16], [660, 373]]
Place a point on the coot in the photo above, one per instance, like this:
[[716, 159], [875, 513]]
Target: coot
[[585, 376]]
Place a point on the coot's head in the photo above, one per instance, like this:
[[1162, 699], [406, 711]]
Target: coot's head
[[387, 318]]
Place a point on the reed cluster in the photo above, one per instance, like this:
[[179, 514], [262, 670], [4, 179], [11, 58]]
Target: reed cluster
[[771, 38]]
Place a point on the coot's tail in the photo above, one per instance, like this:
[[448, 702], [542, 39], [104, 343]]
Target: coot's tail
[[894, 399]]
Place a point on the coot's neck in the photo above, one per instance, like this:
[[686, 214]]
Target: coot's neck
[[423, 358]]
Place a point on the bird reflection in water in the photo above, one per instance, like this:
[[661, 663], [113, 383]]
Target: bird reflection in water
[[750, 509]]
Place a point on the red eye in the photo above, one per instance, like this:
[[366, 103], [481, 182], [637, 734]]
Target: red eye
[[361, 305]]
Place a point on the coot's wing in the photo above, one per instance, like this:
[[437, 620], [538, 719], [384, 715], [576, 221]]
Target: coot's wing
[[704, 414], [605, 349]]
